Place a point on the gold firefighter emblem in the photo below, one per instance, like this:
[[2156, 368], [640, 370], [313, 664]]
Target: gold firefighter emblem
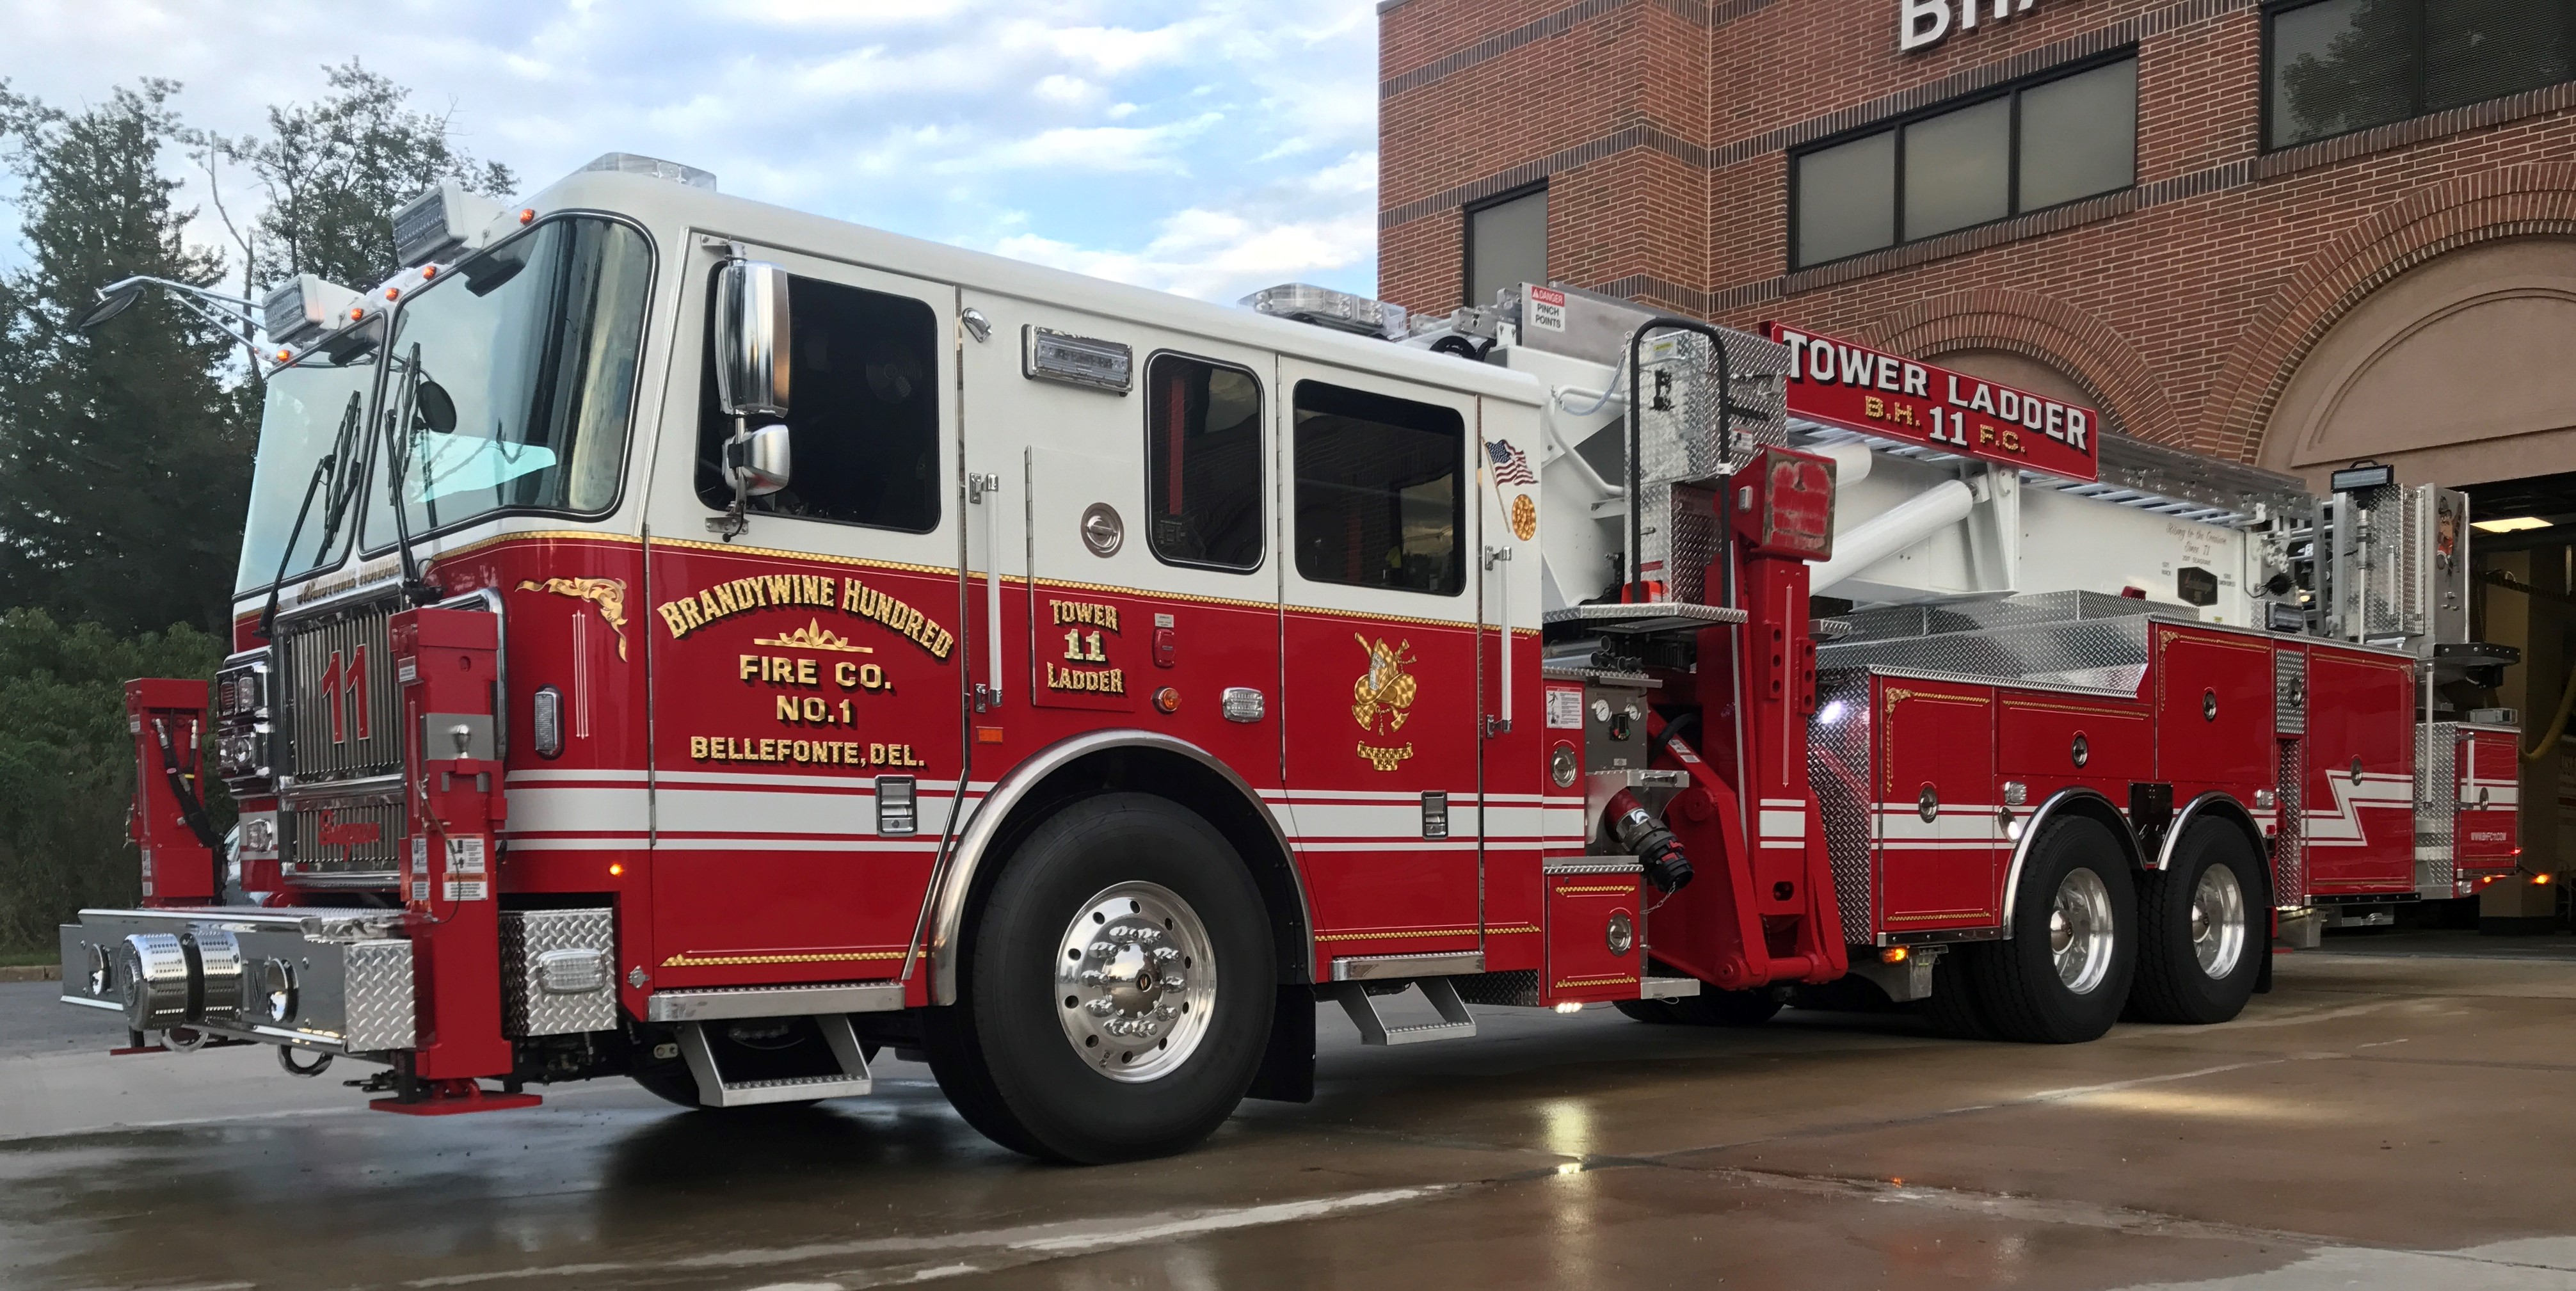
[[1382, 699], [609, 594]]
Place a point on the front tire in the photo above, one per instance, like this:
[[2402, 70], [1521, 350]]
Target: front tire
[[2200, 952], [2064, 976], [1115, 990]]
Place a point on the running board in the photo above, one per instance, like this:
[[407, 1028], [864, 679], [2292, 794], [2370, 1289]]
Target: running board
[[715, 1091], [1455, 1023]]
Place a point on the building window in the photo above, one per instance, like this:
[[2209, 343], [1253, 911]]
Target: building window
[[2335, 66], [1380, 491], [865, 416], [1506, 245], [2028, 148], [1203, 476]]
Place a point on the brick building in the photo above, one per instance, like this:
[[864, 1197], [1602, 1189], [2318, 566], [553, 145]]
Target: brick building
[[2291, 232]]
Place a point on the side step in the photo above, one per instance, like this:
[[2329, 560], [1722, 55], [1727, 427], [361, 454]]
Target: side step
[[1357, 999], [715, 1091]]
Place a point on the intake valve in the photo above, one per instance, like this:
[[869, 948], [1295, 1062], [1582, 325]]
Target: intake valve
[[1653, 845]]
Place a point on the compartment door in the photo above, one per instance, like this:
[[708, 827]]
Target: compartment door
[[1940, 846]]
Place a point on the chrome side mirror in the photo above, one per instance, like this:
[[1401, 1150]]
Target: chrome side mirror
[[751, 339], [757, 462]]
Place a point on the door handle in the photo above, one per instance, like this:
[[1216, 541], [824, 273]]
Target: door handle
[[1501, 722], [979, 492]]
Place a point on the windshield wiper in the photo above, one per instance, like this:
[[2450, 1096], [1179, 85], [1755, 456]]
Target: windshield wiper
[[343, 449], [416, 590]]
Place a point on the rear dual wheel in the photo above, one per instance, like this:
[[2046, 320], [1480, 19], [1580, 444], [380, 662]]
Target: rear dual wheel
[[2201, 949], [1115, 991]]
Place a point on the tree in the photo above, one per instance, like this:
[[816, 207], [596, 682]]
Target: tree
[[124, 454], [67, 765], [335, 171]]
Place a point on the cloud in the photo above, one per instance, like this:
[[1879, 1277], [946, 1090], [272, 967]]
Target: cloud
[[1194, 145]]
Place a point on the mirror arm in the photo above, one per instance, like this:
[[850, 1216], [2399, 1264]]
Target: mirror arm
[[731, 524]]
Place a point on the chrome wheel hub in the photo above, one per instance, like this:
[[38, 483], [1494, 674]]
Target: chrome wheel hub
[[2080, 931], [1135, 982], [2218, 921]]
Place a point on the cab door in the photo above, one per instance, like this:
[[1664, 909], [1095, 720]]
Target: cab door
[[806, 672], [1382, 632], [1139, 580]]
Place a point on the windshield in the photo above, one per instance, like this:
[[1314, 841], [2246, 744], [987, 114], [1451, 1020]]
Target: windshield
[[513, 377], [307, 409]]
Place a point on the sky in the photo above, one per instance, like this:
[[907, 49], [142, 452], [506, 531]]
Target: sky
[[1207, 147]]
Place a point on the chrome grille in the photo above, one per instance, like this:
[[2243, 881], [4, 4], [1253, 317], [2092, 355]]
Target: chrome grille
[[357, 839], [341, 697]]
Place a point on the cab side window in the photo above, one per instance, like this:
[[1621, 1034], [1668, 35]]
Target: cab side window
[[863, 416], [1381, 497], [1203, 476]]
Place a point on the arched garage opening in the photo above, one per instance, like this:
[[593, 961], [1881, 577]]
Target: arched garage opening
[[2462, 372]]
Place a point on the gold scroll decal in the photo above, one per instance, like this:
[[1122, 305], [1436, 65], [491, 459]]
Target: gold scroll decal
[[609, 594], [1382, 699], [821, 591]]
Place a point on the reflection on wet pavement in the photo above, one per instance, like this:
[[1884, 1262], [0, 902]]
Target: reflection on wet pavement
[[2382, 1120]]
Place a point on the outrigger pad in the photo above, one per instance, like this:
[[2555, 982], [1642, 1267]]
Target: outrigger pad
[[453, 1098]]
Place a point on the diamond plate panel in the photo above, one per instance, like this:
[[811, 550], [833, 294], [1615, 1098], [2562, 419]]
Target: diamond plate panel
[[1516, 988], [2102, 654], [1971, 613], [377, 1007], [1677, 430], [2290, 692], [1838, 770], [547, 988], [2437, 807], [2289, 850]]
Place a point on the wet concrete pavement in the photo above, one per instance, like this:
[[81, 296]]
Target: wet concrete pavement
[[2399, 1113]]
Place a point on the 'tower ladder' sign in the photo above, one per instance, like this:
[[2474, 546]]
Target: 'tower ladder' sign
[[1857, 388]]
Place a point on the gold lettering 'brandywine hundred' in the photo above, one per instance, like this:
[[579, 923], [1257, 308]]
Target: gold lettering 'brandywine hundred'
[[765, 591]]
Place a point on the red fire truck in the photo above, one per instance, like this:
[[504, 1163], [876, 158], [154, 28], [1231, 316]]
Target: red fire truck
[[688, 640]]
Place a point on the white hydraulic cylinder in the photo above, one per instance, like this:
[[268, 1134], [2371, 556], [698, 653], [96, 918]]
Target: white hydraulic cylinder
[[1851, 462], [1892, 531]]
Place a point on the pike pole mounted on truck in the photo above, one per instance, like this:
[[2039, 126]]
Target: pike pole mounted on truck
[[685, 640]]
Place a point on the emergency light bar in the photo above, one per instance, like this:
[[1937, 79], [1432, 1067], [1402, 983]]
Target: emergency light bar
[[303, 307], [1341, 311], [443, 219]]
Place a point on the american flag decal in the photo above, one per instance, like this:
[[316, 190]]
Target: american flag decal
[[1510, 466]]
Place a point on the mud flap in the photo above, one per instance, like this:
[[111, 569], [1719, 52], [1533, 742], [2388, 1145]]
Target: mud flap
[[1287, 1072]]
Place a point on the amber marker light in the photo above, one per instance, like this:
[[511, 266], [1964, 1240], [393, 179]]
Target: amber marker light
[[1894, 955], [988, 735], [357, 313], [616, 868], [528, 216], [428, 271], [1167, 701]]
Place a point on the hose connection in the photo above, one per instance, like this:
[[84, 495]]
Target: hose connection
[[1654, 846]]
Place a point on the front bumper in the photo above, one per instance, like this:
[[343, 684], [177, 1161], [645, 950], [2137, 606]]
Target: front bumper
[[334, 980]]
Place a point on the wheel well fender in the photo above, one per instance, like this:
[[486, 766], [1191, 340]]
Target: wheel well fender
[[1111, 761], [2214, 806], [2067, 804]]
